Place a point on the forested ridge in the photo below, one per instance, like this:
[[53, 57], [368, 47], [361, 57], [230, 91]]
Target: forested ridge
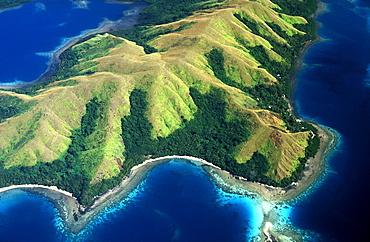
[[207, 136], [161, 12], [70, 172]]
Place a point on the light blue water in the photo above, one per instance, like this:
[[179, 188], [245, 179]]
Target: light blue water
[[29, 33]]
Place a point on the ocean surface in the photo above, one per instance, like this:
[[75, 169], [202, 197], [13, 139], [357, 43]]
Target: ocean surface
[[334, 90], [30, 33], [178, 202]]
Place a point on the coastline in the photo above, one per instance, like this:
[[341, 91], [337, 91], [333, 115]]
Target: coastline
[[314, 168], [299, 63], [14, 7], [129, 19], [77, 217]]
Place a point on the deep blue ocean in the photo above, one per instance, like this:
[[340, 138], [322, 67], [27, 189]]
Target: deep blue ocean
[[178, 202], [34, 30], [334, 90]]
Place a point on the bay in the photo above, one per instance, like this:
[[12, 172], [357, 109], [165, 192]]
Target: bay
[[33, 31], [27, 217], [176, 202], [179, 202]]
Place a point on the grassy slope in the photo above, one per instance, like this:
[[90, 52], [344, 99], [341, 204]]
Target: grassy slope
[[166, 77]]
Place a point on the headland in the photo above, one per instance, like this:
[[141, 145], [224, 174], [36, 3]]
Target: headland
[[128, 20], [76, 217]]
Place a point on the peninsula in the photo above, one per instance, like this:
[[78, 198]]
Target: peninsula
[[205, 79]]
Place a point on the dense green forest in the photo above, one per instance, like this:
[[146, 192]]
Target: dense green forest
[[270, 97], [12, 106], [207, 136], [304, 8], [164, 11]]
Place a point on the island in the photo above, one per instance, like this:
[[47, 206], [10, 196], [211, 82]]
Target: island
[[206, 81]]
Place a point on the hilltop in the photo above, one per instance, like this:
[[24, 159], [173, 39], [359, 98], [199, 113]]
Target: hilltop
[[211, 84]]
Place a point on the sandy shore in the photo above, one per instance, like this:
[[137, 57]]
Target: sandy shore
[[128, 20]]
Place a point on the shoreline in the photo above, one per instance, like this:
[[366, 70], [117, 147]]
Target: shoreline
[[299, 63], [77, 217], [314, 168], [128, 20]]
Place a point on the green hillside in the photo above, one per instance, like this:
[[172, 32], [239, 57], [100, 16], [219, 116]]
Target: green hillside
[[205, 79]]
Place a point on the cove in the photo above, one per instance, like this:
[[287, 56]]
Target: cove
[[177, 201], [27, 217], [34, 33]]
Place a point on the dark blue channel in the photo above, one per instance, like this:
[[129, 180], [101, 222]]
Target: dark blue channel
[[334, 90]]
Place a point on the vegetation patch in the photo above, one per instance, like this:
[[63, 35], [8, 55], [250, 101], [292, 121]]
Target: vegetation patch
[[77, 60], [26, 132], [207, 136], [162, 12], [304, 8], [11, 106], [270, 97], [73, 171], [11, 3]]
